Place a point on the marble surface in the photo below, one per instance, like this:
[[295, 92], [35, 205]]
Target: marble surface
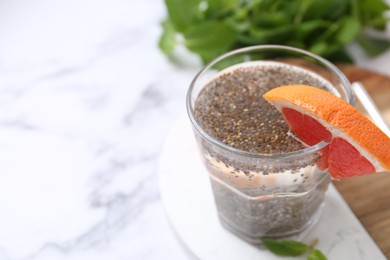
[[86, 100]]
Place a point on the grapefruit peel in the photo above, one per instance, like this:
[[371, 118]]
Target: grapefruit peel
[[356, 145]]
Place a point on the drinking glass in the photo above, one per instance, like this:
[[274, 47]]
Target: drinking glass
[[265, 195]]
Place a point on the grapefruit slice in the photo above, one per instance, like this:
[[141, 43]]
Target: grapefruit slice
[[356, 145]]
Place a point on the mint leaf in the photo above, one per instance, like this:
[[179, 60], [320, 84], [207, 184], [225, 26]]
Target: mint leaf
[[167, 39], [350, 28], [373, 46], [212, 27], [183, 13], [285, 247], [312, 26], [325, 9], [218, 8], [275, 34], [316, 254], [209, 39], [373, 13], [319, 48]]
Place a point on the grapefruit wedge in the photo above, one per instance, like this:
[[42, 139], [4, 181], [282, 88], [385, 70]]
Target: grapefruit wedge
[[356, 145]]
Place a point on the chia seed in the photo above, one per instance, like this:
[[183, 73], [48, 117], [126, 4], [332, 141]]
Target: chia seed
[[231, 108]]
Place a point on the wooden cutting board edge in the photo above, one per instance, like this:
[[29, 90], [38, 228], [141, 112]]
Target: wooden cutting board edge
[[369, 196], [376, 84]]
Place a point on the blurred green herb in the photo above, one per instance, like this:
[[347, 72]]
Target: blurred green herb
[[293, 248], [212, 27]]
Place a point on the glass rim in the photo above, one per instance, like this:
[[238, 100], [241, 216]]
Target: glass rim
[[302, 152]]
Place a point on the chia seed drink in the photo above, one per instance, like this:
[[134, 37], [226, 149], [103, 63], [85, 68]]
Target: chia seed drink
[[265, 182]]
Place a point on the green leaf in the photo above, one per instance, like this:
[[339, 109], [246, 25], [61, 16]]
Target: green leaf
[[348, 31], [272, 19], [220, 8], [379, 23], [209, 39], [238, 26], [303, 7], [338, 9], [373, 46], [339, 55], [212, 27], [319, 48], [316, 254], [167, 39], [233, 60], [220, 4], [374, 7], [313, 26], [285, 247], [327, 9], [329, 32], [272, 35], [372, 12], [183, 13]]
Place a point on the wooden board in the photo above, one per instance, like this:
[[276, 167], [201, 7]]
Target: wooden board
[[369, 196]]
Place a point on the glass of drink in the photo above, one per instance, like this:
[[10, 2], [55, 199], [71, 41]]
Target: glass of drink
[[265, 182]]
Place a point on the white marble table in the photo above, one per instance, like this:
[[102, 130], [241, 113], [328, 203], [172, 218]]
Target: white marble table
[[86, 100]]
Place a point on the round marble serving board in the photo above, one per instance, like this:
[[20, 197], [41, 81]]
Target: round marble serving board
[[187, 198]]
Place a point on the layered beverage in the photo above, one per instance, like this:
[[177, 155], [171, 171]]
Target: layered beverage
[[265, 182]]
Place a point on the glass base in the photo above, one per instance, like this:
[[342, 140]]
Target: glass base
[[256, 240]]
